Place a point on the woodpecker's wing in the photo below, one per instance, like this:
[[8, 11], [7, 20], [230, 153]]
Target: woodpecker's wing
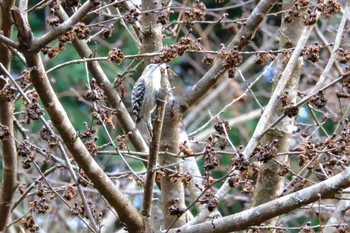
[[137, 96]]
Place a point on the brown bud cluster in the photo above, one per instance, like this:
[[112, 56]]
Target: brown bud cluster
[[284, 98], [132, 16], [262, 58], [163, 17], [283, 169], [78, 208], [309, 153], [96, 3], [174, 209], [291, 110], [105, 114], [107, 32], [207, 61], [343, 55], [33, 108], [40, 205], [121, 139], [87, 132], [8, 92], [268, 152], [319, 100], [170, 52], [296, 10], [233, 180], [26, 149], [94, 93], [30, 224], [286, 56], [240, 163], [311, 18], [116, 56], [197, 12], [346, 80], [81, 30], [51, 139], [92, 147], [67, 37], [184, 148], [69, 192], [311, 53], [219, 127], [53, 21], [210, 156], [184, 177], [230, 59], [25, 78]]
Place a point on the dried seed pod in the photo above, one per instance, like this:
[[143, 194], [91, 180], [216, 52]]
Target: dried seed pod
[[116, 56], [319, 100]]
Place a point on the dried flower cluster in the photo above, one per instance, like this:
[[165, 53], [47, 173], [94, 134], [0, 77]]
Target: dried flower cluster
[[184, 177], [343, 55], [33, 108], [132, 16], [168, 53], [297, 9], [94, 93], [51, 139], [268, 152], [311, 53], [116, 56], [26, 149], [230, 60], [210, 156], [8, 92], [197, 12], [262, 58], [185, 148], [319, 100], [223, 128], [30, 224]]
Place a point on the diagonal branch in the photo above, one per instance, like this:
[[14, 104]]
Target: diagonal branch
[[153, 153], [254, 216], [67, 25], [113, 97], [243, 37]]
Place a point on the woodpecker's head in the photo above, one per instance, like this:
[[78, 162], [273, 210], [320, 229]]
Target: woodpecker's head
[[151, 68]]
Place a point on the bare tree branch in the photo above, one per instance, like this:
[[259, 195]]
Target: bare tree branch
[[67, 25], [113, 97], [254, 216], [9, 153], [153, 153], [242, 38]]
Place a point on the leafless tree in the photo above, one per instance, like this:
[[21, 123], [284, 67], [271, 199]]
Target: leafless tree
[[250, 131]]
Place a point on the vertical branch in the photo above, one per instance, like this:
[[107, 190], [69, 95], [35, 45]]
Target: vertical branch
[[9, 170], [172, 193], [268, 176], [153, 153]]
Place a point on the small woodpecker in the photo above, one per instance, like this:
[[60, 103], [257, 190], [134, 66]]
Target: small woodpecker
[[145, 93]]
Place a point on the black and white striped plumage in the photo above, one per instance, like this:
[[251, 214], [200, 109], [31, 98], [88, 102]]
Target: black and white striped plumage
[[144, 94]]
